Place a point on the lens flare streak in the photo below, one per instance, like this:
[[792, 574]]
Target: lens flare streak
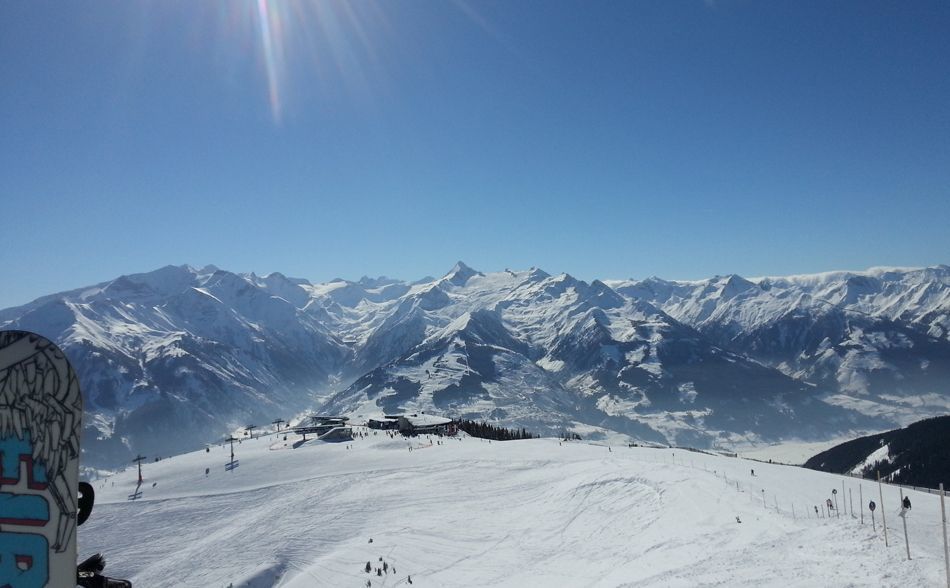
[[333, 46], [270, 27]]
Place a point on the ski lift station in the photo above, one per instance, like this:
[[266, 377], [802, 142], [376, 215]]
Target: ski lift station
[[389, 421], [323, 419], [327, 428], [415, 424]]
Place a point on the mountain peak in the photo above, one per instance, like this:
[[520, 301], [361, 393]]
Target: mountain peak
[[460, 273], [737, 283], [461, 266], [368, 282], [536, 273]]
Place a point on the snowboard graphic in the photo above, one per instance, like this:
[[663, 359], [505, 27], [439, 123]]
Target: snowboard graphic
[[40, 425]]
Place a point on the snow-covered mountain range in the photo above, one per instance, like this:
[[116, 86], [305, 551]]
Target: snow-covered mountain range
[[176, 357]]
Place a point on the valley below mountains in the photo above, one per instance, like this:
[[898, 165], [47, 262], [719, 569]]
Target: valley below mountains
[[175, 358]]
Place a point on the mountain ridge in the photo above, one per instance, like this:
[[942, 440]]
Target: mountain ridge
[[721, 361]]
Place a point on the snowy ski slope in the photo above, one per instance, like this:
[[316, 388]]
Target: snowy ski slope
[[472, 513]]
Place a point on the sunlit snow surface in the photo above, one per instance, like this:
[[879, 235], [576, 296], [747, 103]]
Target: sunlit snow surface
[[789, 452], [473, 513]]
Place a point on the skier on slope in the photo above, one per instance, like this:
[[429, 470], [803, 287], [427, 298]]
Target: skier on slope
[[905, 506]]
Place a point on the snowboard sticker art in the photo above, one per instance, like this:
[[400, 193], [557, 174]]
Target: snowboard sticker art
[[40, 425]]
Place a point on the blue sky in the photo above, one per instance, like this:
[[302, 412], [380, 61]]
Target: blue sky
[[607, 139]]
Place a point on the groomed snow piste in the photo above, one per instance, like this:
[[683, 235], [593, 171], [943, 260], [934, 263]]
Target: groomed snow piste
[[467, 512]]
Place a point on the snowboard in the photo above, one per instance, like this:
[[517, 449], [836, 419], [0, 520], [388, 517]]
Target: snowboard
[[40, 427]]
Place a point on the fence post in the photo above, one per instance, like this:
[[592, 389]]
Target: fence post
[[946, 552], [861, 504], [851, 500], [903, 516], [880, 489]]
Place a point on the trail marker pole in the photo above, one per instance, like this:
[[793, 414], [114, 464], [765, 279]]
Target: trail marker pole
[[764, 504], [851, 500], [793, 512], [861, 502], [233, 463], [232, 440], [946, 551], [904, 519], [834, 492], [842, 498], [880, 488], [139, 459]]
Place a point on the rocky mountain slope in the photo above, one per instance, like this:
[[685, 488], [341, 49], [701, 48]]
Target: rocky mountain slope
[[874, 341], [176, 357]]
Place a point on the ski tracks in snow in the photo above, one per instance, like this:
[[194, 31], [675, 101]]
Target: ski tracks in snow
[[469, 513]]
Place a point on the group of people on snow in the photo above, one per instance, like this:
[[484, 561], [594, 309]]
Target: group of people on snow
[[383, 568]]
